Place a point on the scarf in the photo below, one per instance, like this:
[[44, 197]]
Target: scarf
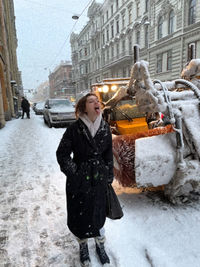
[[92, 126]]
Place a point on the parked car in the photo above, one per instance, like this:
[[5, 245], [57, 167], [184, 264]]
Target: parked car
[[33, 106], [39, 108], [58, 112]]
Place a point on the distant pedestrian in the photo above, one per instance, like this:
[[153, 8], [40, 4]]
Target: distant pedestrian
[[25, 105], [88, 173]]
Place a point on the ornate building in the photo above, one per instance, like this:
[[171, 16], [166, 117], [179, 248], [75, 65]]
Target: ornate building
[[10, 77], [60, 81], [167, 31]]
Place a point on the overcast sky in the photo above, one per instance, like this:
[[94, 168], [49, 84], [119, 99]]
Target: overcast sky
[[43, 32]]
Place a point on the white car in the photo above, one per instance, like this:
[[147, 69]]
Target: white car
[[39, 108], [58, 112]]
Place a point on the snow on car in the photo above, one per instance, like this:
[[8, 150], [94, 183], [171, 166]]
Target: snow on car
[[58, 112]]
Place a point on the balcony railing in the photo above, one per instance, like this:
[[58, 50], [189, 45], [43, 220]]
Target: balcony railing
[[120, 57]]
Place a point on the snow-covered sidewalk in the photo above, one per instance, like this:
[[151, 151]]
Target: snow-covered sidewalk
[[33, 229]]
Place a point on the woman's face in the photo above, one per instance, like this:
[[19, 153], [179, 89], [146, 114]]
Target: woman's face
[[92, 106]]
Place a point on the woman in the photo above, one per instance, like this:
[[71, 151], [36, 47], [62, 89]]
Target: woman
[[88, 172]]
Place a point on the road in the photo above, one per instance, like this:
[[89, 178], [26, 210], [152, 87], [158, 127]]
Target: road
[[33, 231]]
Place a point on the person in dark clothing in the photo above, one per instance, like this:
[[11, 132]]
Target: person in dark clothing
[[88, 172], [25, 105]]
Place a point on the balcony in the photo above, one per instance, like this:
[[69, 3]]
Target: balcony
[[94, 33], [124, 56]]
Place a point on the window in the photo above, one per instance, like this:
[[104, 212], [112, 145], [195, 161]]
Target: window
[[124, 72], [146, 5], [103, 19], [191, 51], [112, 51], [159, 63], [81, 69], [123, 21], [86, 68], [117, 26], [103, 38], [117, 4], [86, 52], [138, 37], [112, 10], [123, 46], [137, 9], [98, 62], [107, 14], [107, 34], [80, 53], [103, 58], [160, 24], [146, 40], [130, 45], [129, 15], [171, 22], [112, 31], [192, 12], [108, 54], [169, 60], [117, 49]]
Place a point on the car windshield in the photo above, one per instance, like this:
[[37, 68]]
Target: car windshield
[[40, 105], [60, 102]]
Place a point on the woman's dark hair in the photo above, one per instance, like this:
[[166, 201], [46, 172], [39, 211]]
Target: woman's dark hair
[[81, 105]]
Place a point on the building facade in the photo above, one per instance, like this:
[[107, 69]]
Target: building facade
[[167, 31], [60, 81], [42, 92], [10, 77]]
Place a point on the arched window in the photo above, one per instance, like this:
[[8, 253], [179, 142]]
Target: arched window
[[171, 22], [191, 51], [192, 12], [160, 26]]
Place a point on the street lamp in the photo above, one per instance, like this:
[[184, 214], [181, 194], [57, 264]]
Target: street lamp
[[75, 16]]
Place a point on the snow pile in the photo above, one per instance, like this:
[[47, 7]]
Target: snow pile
[[62, 108], [152, 166], [148, 98]]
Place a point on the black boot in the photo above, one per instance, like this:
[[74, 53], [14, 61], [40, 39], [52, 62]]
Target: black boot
[[103, 257], [84, 254]]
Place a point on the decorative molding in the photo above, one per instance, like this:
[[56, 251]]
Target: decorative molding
[[145, 18], [93, 9], [129, 29], [122, 33], [130, 5], [166, 7], [136, 24]]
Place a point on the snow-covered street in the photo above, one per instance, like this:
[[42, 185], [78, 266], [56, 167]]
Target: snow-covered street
[[33, 231]]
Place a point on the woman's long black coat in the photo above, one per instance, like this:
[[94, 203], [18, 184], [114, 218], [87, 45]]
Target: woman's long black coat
[[88, 173]]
